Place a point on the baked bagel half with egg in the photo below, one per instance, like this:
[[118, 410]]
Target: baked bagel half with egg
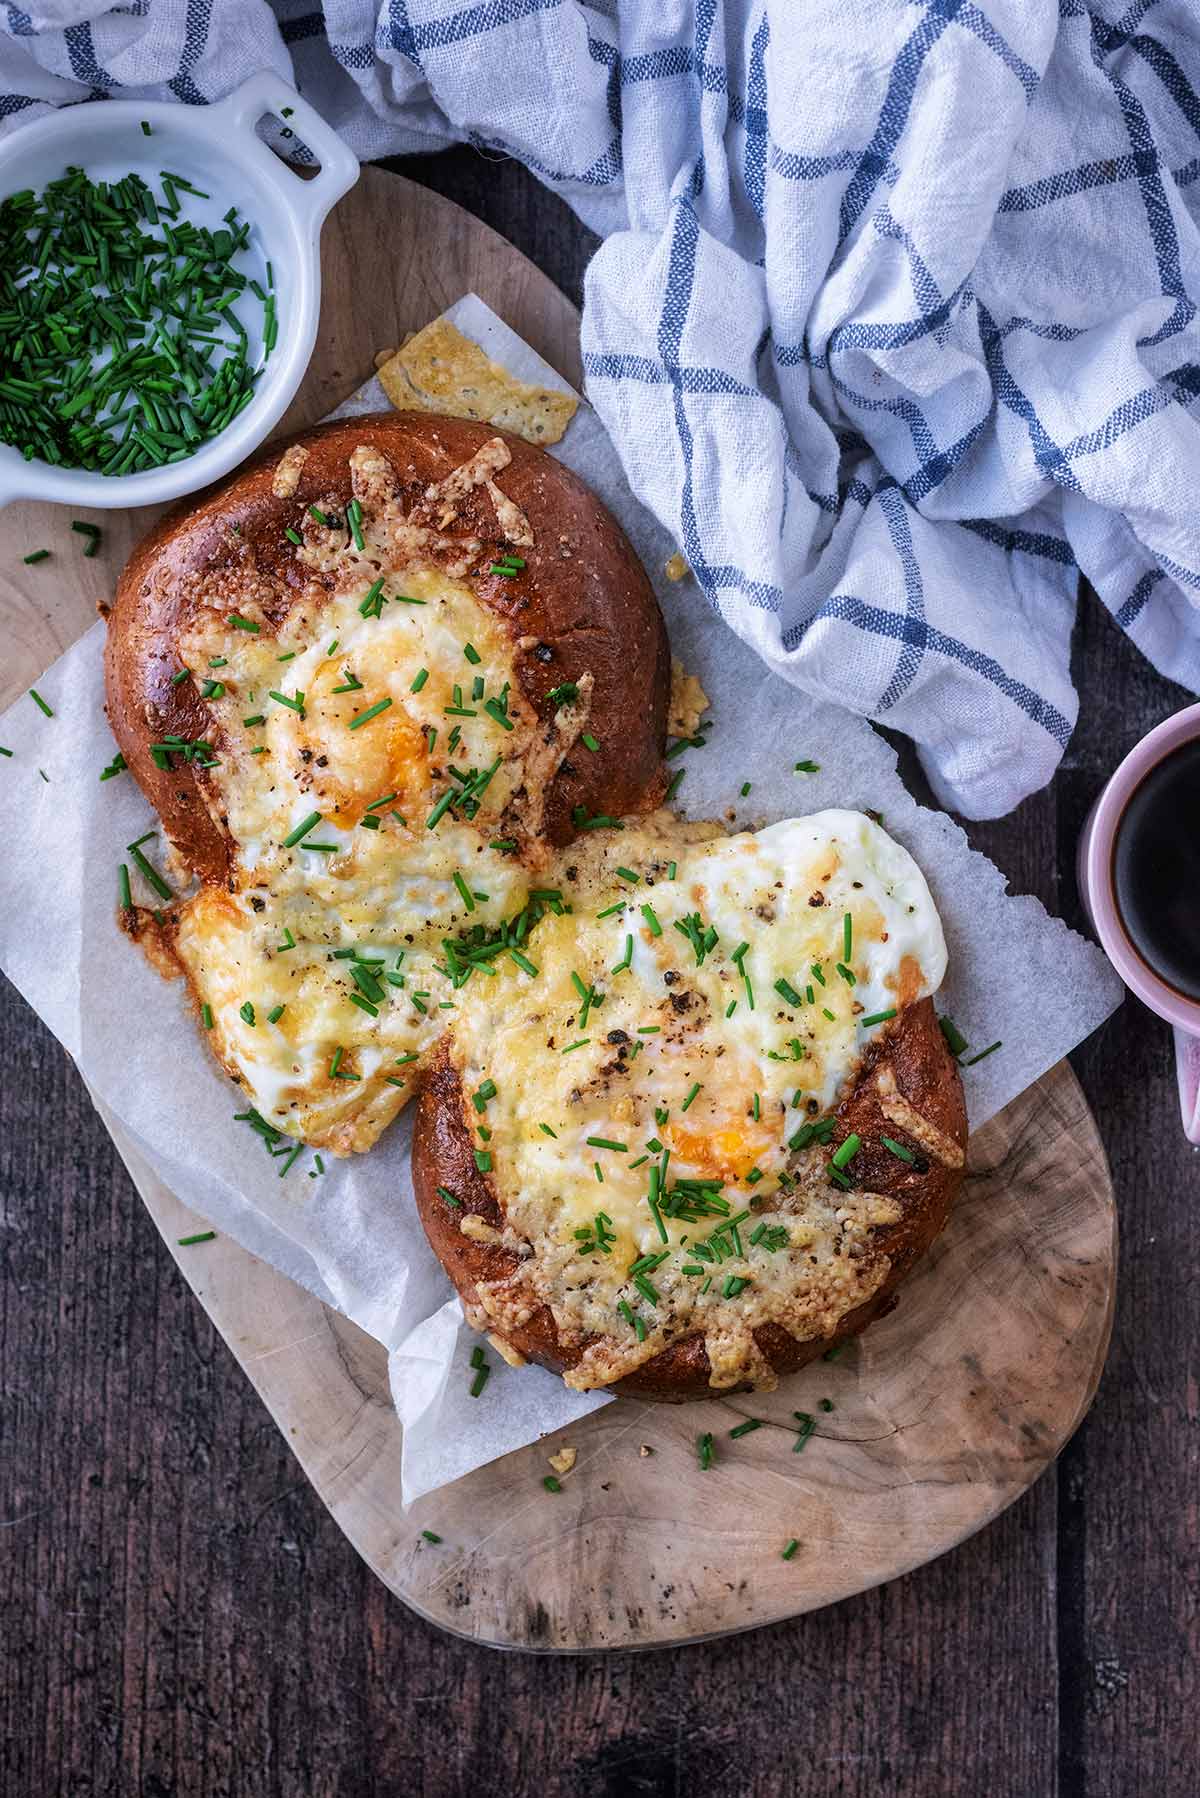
[[711, 1125], [368, 684]]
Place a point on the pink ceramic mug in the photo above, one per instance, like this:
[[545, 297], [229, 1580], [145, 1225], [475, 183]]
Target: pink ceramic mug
[[1097, 891]]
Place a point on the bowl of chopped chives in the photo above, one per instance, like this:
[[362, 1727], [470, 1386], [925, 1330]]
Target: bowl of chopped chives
[[160, 288]]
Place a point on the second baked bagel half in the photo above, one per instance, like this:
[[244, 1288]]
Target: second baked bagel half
[[713, 1123], [369, 683]]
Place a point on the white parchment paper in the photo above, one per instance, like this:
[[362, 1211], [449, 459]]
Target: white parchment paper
[[351, 1235]]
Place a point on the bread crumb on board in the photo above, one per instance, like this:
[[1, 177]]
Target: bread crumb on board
[[565, 1459], [440, 370], [645, 1450], [689, 702], [676, 568]]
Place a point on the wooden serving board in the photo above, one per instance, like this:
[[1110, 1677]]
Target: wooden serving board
[[941, 1416]]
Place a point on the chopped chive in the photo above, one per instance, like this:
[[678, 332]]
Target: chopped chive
[[704, 1451], [37, 555], [243, 624], [843, 1155], [808, 768], [990, 1050], [182, 675], [301, 830], [186, 1242], [146, 128], [652, 922], [150, 873], [419, 680], [790, 1550], [956, 1042], [547, 1131], [744, 1429], [426, 1535], [745, 788], [371, 712], [123, 887], [691, 1095], [292, 536], [897, 1148], [877, 1017], [589, 742], [472, 654], [807, 1426], [788, 992], [552, 1483], [581, 1044], [43, 707], [603, 1142], [206, 1016]]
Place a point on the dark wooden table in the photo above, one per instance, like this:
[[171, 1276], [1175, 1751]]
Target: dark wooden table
[[179, 1615]]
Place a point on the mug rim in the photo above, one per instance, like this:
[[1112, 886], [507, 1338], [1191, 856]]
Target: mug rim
[[1100, 894]]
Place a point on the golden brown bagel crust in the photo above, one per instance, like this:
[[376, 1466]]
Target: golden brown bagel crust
[[913, 1051], [582, 604]]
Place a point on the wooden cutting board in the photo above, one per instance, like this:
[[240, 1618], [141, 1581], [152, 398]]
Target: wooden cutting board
[[941, 1416]]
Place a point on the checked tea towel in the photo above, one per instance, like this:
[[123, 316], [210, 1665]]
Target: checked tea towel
[[895, 317]]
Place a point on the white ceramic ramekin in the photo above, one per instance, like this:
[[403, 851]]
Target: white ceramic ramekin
[[216, 149]]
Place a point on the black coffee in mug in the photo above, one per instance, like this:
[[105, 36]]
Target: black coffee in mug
[[1156, 869]]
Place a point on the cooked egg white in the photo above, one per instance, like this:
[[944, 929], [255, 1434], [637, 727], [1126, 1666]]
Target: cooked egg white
[[697, 1006]]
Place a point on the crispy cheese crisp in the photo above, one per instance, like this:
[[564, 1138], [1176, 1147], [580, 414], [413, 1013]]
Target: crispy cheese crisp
[[440, 370]]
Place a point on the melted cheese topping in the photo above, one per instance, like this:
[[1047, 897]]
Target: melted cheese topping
[[325, 965], [694, 1021]]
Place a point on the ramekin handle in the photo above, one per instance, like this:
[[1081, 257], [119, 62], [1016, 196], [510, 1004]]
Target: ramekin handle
[[339, 165]]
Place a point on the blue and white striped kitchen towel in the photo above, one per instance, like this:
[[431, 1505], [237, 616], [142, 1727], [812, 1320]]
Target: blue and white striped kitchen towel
[[894, 323]]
